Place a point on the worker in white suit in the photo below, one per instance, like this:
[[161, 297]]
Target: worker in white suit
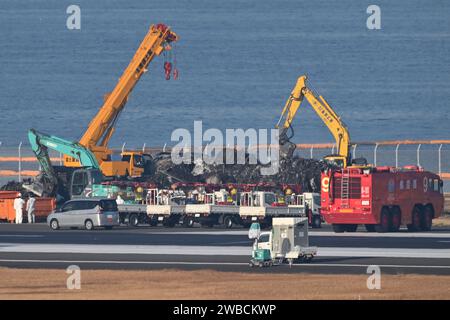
[[18, 206], [30, 209]]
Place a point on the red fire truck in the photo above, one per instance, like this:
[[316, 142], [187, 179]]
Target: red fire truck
[[381, 198]]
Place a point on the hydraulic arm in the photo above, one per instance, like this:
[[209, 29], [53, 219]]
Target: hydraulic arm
[[324, 111], [47, 182]]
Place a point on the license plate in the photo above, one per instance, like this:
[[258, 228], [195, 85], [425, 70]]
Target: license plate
[[254, 218], [160, 218], [109, 216], [197, 215]]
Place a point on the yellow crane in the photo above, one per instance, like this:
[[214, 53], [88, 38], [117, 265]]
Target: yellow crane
[[325, 112], [101, 128]]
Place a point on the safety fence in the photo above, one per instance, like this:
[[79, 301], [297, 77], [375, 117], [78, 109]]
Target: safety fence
[[18, 161]]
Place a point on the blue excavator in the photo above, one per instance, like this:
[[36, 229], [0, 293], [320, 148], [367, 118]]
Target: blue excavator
[[61, 182]]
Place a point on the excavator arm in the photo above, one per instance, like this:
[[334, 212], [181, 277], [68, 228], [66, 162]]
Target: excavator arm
[[333, 122], [46, 183]]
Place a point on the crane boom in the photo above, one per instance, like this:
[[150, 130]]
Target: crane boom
[[101, 127], [329, 117]]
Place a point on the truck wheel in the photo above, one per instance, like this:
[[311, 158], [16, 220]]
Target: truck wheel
[[228, 222], [54, 224], [415, 217], [351, 228], [396, 219], [316, 221], [339, 228], [188, 222], [370, 227], [426, 220], [88, 225], [133, 220], [385, 221]]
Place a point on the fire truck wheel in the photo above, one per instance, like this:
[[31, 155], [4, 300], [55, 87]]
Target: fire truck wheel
[[396, 219], [316, 221], [339, 228], [415, 216], [351, 228], [370, 227], [426, 220], [385, 221]]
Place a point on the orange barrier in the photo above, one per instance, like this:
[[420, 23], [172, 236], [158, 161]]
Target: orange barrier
[[23, 159], [371, 143], [9, 173], [445, 175]]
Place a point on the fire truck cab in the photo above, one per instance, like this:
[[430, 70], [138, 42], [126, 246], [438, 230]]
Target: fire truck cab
[[381, 198]]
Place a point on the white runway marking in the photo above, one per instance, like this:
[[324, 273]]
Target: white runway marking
[[22, 235], [345, 265], [216, 250], [319, 234]]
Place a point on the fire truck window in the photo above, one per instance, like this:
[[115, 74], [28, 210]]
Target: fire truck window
[[402, 184], [415, 184], [436, 185], [430, 183], [408, 184]]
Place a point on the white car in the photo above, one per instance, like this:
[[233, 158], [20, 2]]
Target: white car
[[85, 213]]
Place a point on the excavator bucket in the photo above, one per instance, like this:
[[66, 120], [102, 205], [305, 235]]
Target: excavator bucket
[[287, 150], [40, 186]]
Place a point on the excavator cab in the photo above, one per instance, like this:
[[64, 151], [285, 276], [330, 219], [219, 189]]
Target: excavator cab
[[336, 161], [343, 162], [82, 181]]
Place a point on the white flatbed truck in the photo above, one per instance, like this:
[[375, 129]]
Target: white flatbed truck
[[258, 206], [160, 206], [215, 210]]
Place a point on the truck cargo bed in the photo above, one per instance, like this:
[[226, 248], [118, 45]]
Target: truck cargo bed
[[271, 211], [165, 209], [211, 209]]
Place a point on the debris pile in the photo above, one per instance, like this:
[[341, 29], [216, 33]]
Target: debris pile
[[13, 186], [295, 170]]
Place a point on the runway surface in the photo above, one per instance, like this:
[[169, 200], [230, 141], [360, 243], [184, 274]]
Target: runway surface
[[36, 246]]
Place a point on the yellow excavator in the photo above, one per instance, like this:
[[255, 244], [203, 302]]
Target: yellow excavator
[[96, 138], [333, 122]]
